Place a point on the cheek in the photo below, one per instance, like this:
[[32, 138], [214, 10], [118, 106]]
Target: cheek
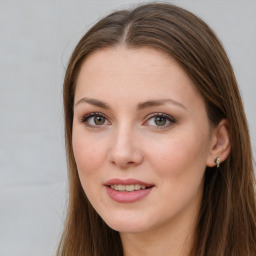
[[182, 156], [89, 156], [89, 153], [179, 166]]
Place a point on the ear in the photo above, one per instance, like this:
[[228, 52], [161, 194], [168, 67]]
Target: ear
[[220, 143]]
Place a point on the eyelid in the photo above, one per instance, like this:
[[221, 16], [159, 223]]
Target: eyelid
[[85, 118], [172, 119], [168, 117]]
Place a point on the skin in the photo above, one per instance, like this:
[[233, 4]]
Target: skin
[[131, 144]]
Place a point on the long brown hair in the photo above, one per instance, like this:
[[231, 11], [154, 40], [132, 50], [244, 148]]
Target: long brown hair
[[227, 219]]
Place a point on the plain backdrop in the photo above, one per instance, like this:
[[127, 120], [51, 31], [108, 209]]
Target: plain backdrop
[[36, 40]]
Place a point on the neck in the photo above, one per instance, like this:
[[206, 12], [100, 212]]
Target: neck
[[171, 240]]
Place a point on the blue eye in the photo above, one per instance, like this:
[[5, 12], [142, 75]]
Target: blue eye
[[160, 120], [94, 120]]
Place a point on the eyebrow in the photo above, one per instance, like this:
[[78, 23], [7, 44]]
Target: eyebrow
[[155, 103], [94, 102], [141, 106]]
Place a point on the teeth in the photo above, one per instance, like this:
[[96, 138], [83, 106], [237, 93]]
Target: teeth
[[128, 188], [121, 187], [137, 187]]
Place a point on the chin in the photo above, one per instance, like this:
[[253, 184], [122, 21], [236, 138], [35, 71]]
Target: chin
[[127, 228], [127, 225]]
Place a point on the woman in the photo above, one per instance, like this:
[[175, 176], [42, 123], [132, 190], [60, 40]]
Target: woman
[[157, 142]]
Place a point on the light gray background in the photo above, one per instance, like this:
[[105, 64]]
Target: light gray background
[[36, 39]]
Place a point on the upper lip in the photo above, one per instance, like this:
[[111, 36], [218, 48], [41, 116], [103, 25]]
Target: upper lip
[[117, 181]]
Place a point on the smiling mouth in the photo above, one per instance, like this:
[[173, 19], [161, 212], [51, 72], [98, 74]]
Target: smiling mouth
[[128, 188]]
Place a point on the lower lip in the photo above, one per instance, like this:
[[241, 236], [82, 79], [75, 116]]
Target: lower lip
[[127, 197]]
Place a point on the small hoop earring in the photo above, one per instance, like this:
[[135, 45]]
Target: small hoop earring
[[217, 162]]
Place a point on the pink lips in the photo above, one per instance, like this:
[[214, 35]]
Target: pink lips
[[124, 196]]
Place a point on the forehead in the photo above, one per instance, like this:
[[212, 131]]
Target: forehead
[[136, 62], [138, 74]]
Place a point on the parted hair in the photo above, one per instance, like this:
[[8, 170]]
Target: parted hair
[[226, 224]]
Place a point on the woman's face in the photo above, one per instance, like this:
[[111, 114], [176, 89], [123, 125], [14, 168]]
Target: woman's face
[[141, 139]]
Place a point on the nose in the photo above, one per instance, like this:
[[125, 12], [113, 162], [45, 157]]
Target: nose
[[125, 151]]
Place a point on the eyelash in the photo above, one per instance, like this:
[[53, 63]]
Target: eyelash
[[94, 114], [168, 118], [171, 120]]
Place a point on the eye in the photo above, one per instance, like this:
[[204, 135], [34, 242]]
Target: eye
[[160, 120], [94, 120]]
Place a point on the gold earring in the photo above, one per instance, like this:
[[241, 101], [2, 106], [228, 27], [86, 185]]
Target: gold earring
[[217, 162]]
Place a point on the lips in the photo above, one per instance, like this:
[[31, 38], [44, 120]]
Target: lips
[[127, 191], [127, 182]]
